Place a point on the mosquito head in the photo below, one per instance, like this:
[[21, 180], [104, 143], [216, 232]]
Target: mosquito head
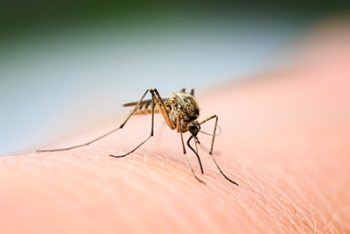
[[194, 127]]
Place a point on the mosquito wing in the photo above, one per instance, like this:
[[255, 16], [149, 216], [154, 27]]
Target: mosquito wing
[[144, 102]]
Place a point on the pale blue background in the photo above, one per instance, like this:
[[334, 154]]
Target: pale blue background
[[54, 79]]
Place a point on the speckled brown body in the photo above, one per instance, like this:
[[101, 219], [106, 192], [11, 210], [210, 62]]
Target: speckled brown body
[[182, 109]]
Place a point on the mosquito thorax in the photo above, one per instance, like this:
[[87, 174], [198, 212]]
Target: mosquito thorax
[[186, 105]]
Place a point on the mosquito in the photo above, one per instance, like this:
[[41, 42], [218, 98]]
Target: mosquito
[[180, 113]]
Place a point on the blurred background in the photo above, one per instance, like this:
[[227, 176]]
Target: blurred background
[[69, 64]]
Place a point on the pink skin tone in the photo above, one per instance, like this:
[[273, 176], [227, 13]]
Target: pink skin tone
[[285, 140]]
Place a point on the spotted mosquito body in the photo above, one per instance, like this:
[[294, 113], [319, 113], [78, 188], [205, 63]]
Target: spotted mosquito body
[[144, 108], [180, 113]]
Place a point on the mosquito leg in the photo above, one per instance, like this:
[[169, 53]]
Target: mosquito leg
[[156, 100], [151, 134], [188, 161], [222, 171], [189, 164], [163, 109], [212, 146], [88, 143], [77, 146], [216, 124]]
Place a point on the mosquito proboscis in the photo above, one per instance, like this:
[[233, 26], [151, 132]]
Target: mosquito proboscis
[[180, 113]]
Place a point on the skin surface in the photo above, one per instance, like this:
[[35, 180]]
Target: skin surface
[[285, 140]]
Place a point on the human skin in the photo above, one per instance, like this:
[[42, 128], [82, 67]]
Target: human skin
[[285, 141]]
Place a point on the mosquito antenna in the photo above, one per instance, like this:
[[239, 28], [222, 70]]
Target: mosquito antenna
[[217, 134], [199, 159]]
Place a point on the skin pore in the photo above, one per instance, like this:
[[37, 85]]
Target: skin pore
[[285, 141]]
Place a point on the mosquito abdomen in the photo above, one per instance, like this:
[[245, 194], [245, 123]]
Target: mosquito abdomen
[[145, 109]]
